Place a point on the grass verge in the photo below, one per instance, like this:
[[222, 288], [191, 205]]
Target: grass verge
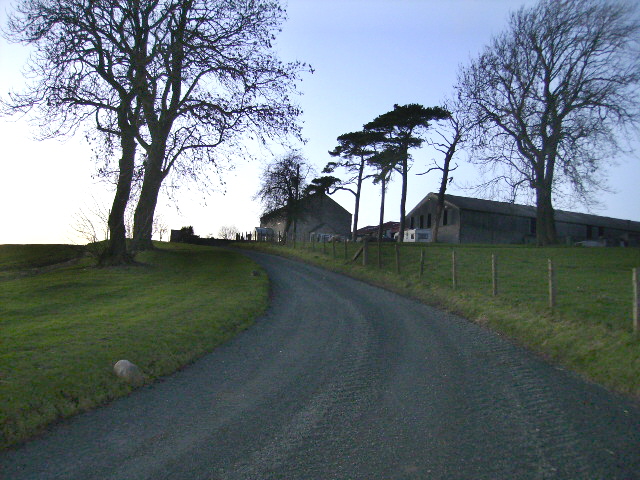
[[589, 331], [63, 330]]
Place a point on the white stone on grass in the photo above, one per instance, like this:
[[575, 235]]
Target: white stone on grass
[[129, 372]]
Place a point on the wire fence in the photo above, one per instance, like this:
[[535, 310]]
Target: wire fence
[[590, 285]]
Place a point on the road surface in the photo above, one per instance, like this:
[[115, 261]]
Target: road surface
[[341, 380]]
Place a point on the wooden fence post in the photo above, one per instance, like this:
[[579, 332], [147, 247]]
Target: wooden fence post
[[421, 262], [398, 259], [636, 300], [365, 252], [494, 275], [552, 285], [454, 270]]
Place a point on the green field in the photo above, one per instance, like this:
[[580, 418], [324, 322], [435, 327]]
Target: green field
[[16, 260], [62, 330], [590, 330]]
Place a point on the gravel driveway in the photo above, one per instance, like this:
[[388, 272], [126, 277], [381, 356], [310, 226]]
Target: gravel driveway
[[341, 380]]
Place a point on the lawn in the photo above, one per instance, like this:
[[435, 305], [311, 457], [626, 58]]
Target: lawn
[[18, 258], [63, 330], [590, 330]]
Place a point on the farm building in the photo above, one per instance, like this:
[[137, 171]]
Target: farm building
[[472, 220], [319, 215], [389, 230]]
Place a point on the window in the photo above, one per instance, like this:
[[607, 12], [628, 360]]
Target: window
[[600, 231], [421, 221], [411, 223], [428, 220], [445, 217], [532, 226], [589, 232]]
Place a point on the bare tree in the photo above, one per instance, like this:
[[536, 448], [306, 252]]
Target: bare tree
[[282, 185], [77, 75], [551, 96], [160, 227], [178, 78], [228, 232], [91, 224], [211, 77], [450, 134]]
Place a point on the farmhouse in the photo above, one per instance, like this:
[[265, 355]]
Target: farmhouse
[[472, 220], [319, 215]]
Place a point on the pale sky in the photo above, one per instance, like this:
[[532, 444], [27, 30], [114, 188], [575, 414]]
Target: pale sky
[[367, 55]]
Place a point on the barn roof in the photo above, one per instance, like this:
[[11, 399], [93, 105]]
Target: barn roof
[[308, 201], [506, 208], [393, 226]]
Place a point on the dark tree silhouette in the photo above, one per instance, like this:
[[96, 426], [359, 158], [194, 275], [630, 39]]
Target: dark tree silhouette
[[327, 184], [175, 77], [212, 77], [401, 129], [282, 185], [550, 97], [451, 134], [77, 76], [385, 164], [353, 150]]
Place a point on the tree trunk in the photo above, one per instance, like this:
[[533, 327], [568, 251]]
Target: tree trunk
[[545, 217], [444, 181], [355, 216], [440, 200], [436, 225], [116, 252], [382, 195], [403, 198], [145, 210], [357, 207]]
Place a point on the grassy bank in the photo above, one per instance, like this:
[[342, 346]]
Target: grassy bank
[[62, 330], [22, 259], [589, 330]]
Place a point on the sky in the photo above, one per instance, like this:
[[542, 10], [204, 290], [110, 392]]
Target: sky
[[367, 55]]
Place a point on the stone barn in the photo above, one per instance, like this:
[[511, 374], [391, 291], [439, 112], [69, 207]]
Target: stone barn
[[473, 220], [320, 215]]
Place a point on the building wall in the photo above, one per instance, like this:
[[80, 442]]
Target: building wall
[[424, 217], [486, 227], [575, 232], [470, 224], [321, 215]]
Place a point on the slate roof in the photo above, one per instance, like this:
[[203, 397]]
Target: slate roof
[[528, 211], [304, 201]]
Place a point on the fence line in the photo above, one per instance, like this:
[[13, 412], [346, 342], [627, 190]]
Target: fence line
[[551, 280]]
